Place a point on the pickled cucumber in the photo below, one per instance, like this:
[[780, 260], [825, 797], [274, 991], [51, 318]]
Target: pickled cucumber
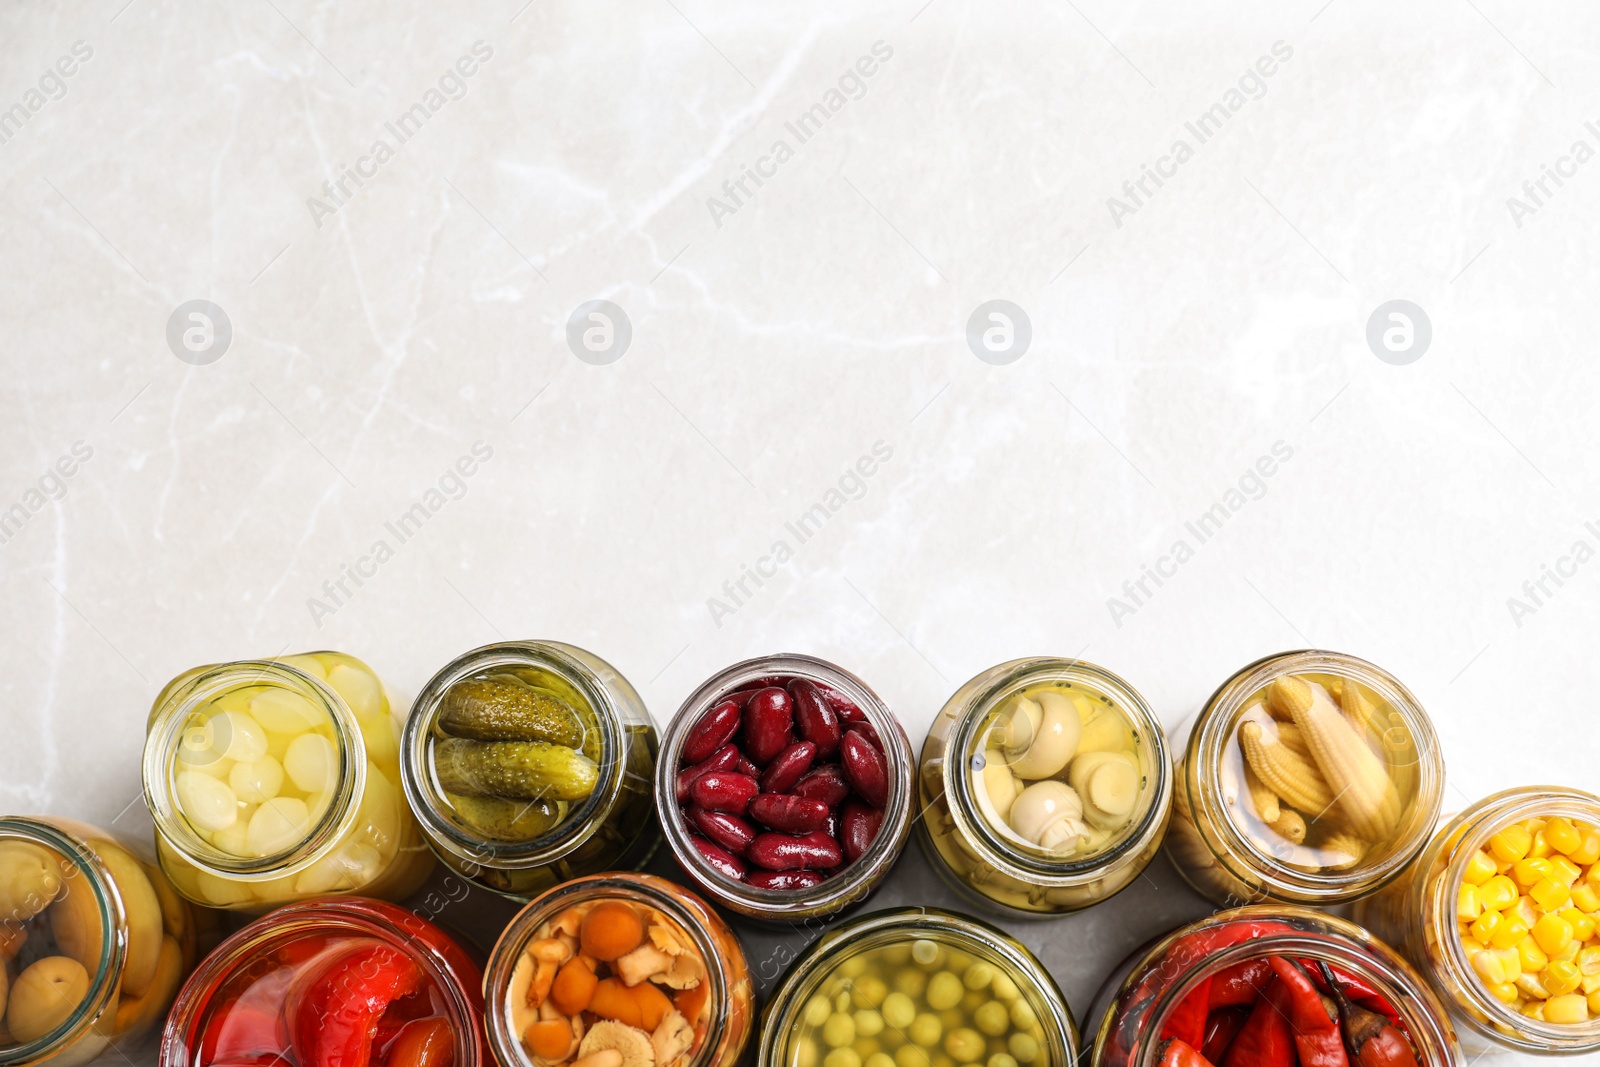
[[501, 707], [515, 770], [506, 820]]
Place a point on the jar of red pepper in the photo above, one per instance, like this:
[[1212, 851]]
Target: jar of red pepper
[[785, 788], [332, 982], [1269, 987]]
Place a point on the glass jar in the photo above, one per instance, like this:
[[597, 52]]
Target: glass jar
[[1423, 912], [1010, 776], [618, 961], [910, 982], [93, 943], [833, 873], [527, 828], [1309, 778], [1136, 1007], [313, 979], [279, 780]]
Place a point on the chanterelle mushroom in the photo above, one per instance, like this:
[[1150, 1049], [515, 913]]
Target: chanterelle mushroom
[[667, 940], [672, 1038], [634, 1044], [687, 972], [644, 962]]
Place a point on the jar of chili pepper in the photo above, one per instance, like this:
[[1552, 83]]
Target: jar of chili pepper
[[531, 762], [785, 788], [1309, 778], [278, 780], [94, 943], [329, 983], [626, 967], [1506, 883], [1046, 786], [1269, 986]]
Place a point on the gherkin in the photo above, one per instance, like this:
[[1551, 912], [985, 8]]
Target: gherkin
[[516, 770], [506, 820], [501, 707]]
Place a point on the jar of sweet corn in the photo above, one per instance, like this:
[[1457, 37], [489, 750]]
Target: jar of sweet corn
[[1046, 786], [93, 943], [1309, 778], [276, 780], [531, 762], [1500, 912], [917, 987]]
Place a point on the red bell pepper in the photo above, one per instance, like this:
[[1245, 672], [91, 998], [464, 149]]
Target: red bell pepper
[[1316, 1033], [1266, 1039], [1240, 984], [1222, 1027], [335, 1005], [1187, 1021], [1175, 1052]]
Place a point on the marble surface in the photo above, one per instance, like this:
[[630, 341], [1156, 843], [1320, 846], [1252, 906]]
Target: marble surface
[[1317, 160]]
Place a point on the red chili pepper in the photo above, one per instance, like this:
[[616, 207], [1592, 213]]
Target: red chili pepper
[[1187, 1021], [335, 1005], [1357, 990], [1266, 1039], [1316, 1033], [1222, 1027], [1371, 1039], [1175, 1052], [1240, 984]]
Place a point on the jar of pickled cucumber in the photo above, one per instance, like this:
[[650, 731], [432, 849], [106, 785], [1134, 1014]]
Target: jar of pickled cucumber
[[917, 987], [1252, 985], [628, 967], [1309, 778], [1046, 786], [93, 943], [529, 763], [276, 780], [1500, 912]]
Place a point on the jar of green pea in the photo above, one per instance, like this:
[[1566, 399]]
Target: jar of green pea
[[917, 987]]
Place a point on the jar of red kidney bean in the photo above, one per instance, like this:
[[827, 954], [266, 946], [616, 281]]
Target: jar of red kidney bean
[[785, 788]]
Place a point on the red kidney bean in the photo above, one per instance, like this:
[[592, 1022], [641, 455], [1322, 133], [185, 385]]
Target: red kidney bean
[[781, 880], [744, 766], [831, 827], [791, 814], [826, 783], [724, 791], [715, 729], [842, 705], [858, 827], [788, 767], [815, 721], [729, 831], [718, 858], [865, 768], [869, 731], [723, 759], [768, 725], [785, 852]]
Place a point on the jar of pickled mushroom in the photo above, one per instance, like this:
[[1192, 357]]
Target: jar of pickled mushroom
[[618, 970], [917, 987], [93, 943], [1500, 913], [332, 982], [278, 780], [529, 763], [1046, 786], [1309, 778], [1269, 986], [785, 788]]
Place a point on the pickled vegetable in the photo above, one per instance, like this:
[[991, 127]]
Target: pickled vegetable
[[501, 707], [507, 820], [516, 770]]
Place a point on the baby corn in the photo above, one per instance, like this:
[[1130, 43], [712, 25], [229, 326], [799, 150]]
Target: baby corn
[[1262, 799], [1297, 782], [1366, 794]]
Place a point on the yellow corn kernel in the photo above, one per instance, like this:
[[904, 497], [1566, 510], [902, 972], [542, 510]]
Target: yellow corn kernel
[[1591, 877], [1569, 951], [1582, 925], [1550, 895], [1510, 932], [1594, 1003], [1529, 985], [1529, 873], [1468, 906], [1480, 868], [1572, 1008], [1498, 892], [1560, 977], [1590, 983], [1534, 1010], [1589, 960], [1541, 845], [1553, 933], [1511, 961], [1491, 968], [1584, 898], [1471, 946], [1564, 870], [1589, 851], [1510, 844], [1563, 836], [1485, 926], [1524, 909], [1533, 957], [1505, 992]]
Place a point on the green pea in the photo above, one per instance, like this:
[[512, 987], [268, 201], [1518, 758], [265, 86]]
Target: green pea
[[910, 981], [897, 955], [992, 1018], [869, 991], [817, 1011], [925, 952], [1002, 1059], [868, 1023], [879, 1059], [965, 1044], [841, 1000], [839, 1030], [925, 1030], [1022, 1046], [1022, 1015], [854, 967], [911, 1056], [898, 1010], [806, 1053], [1003, 987], [842, 1057], [944, 991], [978, 976]]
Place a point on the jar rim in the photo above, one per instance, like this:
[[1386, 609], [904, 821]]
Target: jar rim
[[415, 770], [1237, 852], [160, 768], [1013, 859], [1475, 825], [856, 879], [678, 903], [814, 962], [105, 979]]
